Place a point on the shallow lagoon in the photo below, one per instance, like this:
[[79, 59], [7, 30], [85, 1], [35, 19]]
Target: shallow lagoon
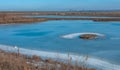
[[48, 36]]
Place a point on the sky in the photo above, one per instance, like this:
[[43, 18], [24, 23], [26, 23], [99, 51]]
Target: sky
[[58, 5]]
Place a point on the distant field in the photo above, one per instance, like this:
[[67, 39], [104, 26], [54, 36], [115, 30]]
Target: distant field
[[19, 17], [111, 14]]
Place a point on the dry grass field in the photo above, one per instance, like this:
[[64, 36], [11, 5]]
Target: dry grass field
[[19, 17], [16, 61]]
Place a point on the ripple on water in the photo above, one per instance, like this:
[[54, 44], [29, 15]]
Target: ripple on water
[[32, 34], [25, 30], [116, 24]]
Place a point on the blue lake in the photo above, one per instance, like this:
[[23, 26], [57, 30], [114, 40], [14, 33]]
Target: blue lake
[[48, 36], [58, 16]]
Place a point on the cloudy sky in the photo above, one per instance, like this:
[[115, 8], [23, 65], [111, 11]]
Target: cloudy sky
[[53, 5]]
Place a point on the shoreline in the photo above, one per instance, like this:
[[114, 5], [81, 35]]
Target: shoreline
[[89, 61], [34, 62], [19, 17], [32, 20], [62, 13]]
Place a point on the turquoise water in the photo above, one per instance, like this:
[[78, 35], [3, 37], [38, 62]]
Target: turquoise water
[[48, 36], [57, 16]]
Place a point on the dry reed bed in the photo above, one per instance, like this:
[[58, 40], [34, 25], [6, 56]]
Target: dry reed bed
[[67, 13], [18, 17], [16, 61]]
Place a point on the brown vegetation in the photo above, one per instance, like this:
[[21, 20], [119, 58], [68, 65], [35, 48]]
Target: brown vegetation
[[13, 61], [88, 36], [9, 20], [110, 14], [15, 19], [18, 17]]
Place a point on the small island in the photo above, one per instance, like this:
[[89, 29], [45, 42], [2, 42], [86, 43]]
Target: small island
[[88, 36]]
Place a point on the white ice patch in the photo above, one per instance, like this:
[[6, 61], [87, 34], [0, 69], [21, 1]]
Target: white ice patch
[[74, 35], [100, 64], [116, 38]]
